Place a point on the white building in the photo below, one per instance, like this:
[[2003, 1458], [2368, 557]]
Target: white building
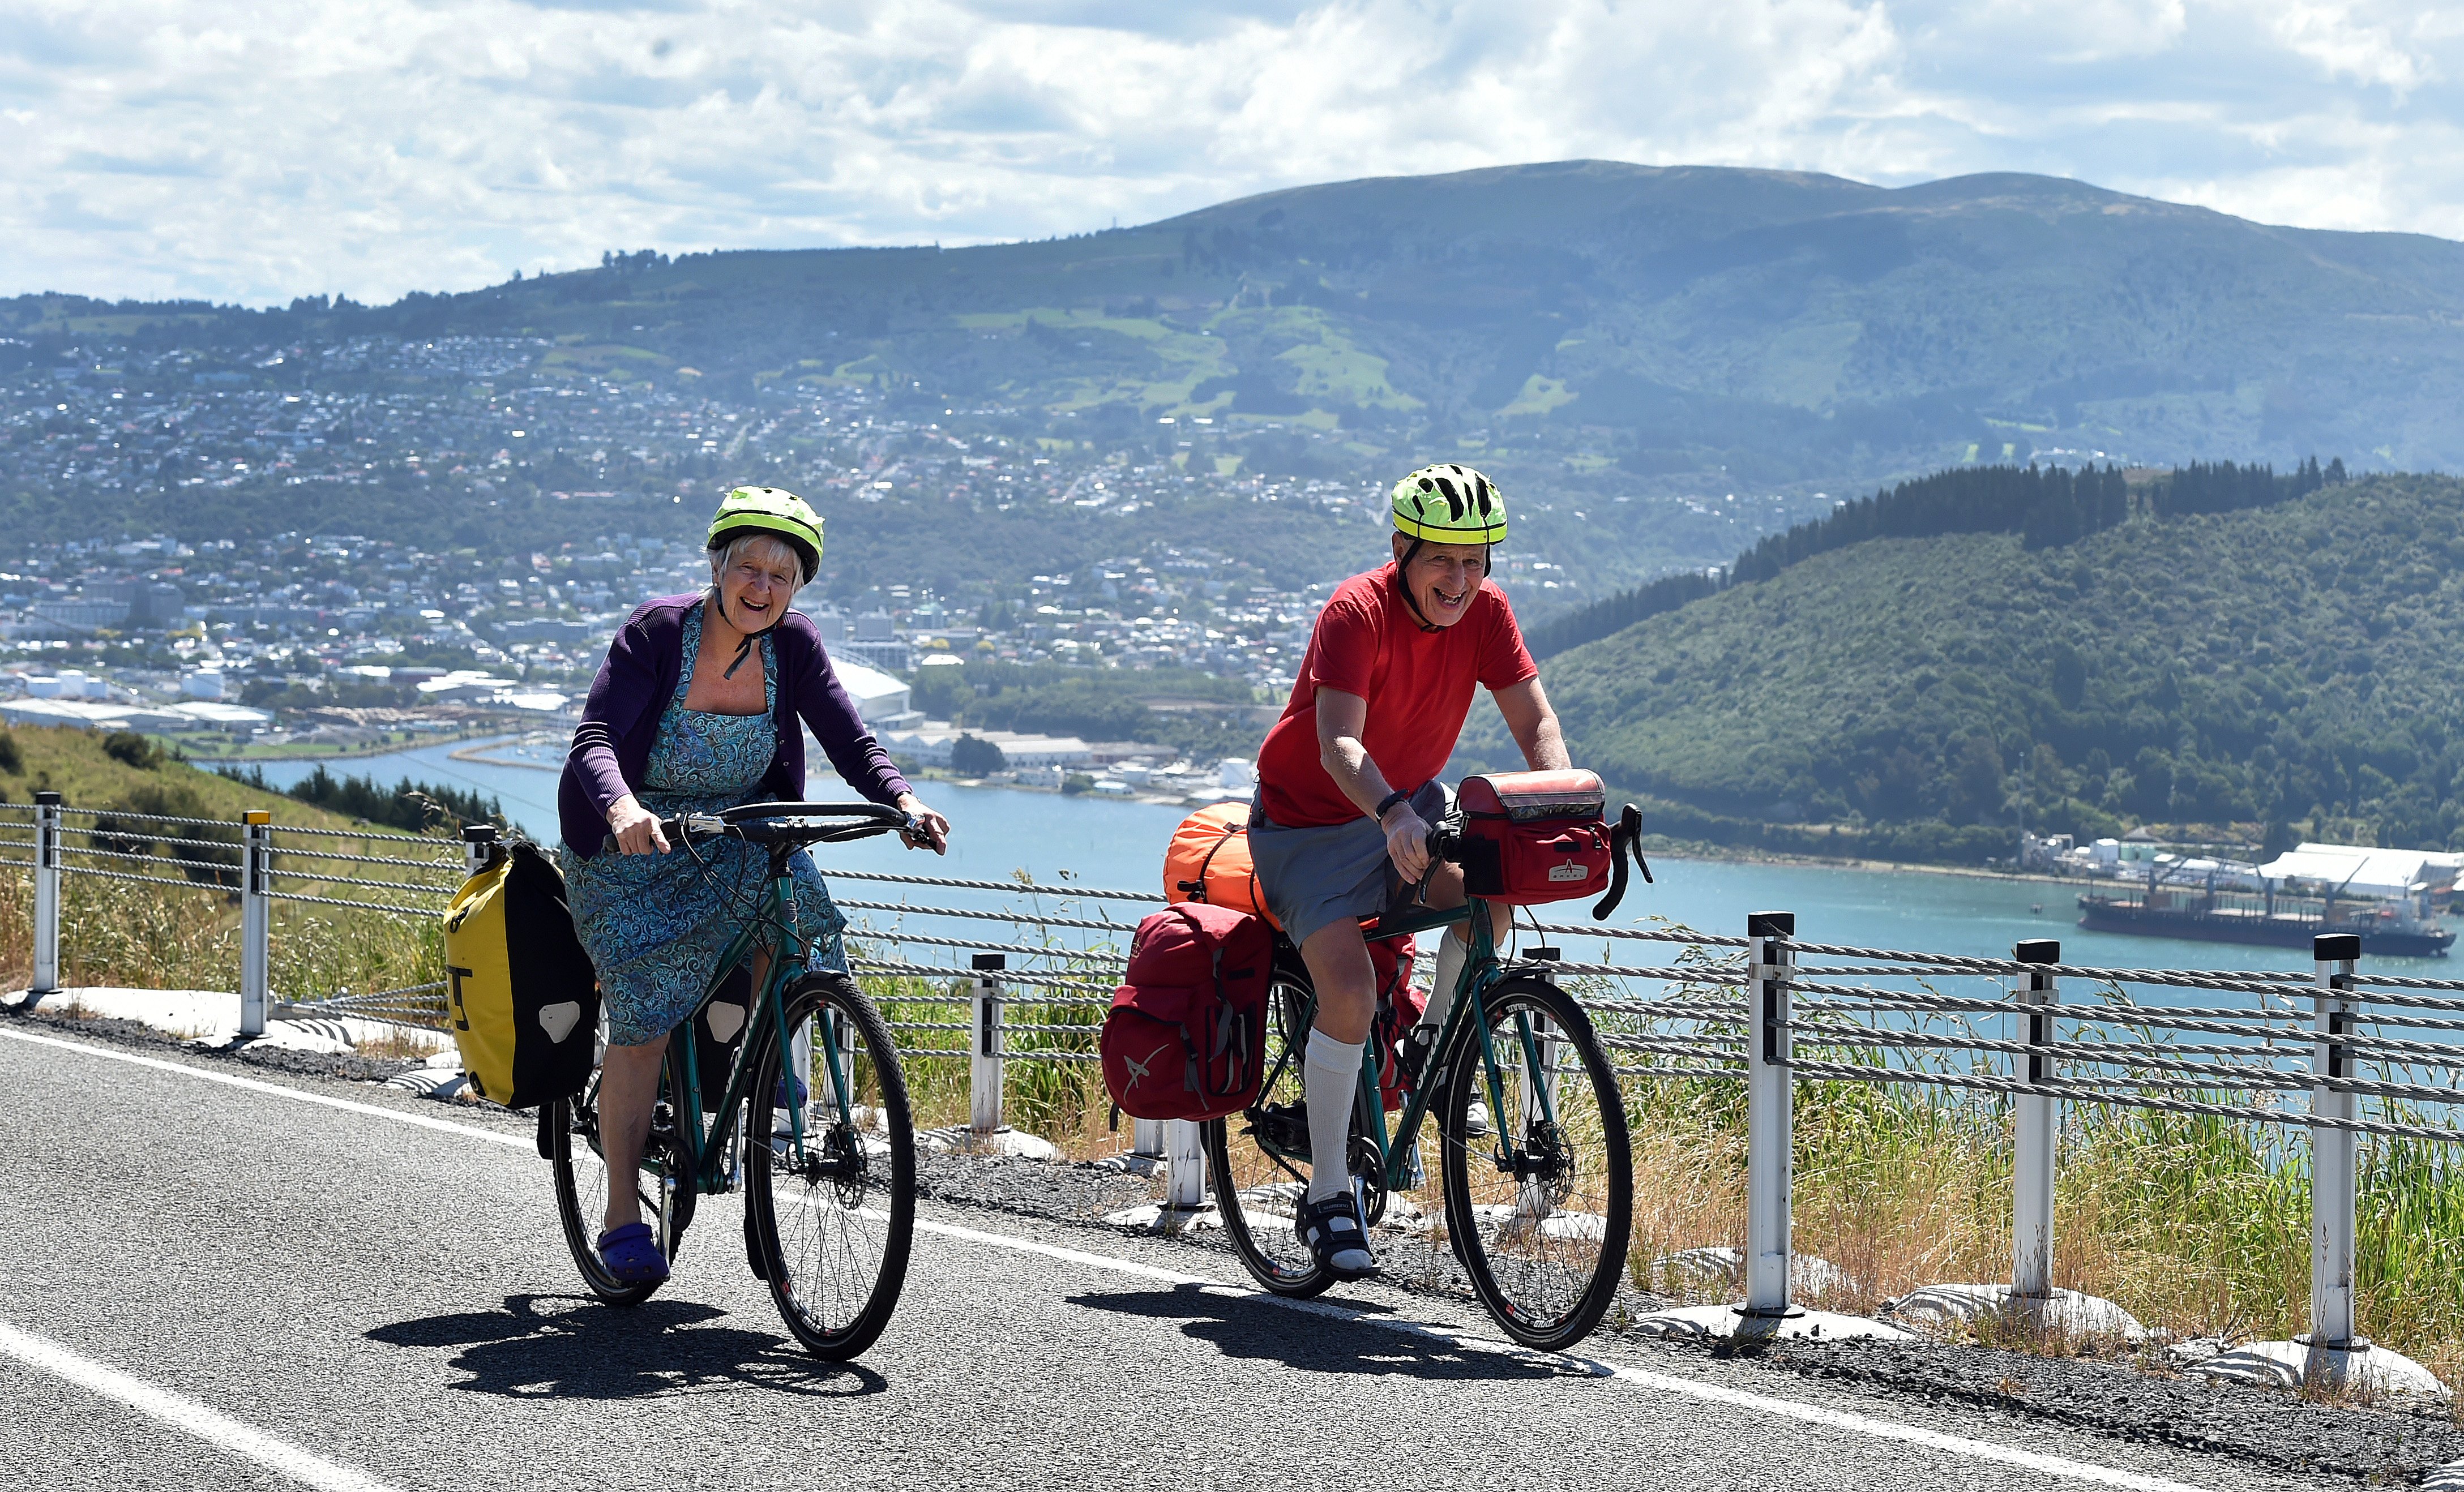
[[203, 683]]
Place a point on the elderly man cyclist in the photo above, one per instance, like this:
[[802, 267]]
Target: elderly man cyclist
[[1347, 790]]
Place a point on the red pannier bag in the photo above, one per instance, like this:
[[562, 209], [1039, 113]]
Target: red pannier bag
[[1533, 837], [1186, 1035], [1399, 1009], [1208, 861]]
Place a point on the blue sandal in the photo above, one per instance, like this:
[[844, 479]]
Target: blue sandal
[[630, 1255]]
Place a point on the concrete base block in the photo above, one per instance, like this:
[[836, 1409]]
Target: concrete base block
[[2289, 1364], [1808, 1274], [1727, 1322], [2448, 1478], [1131, 1164], [212, 1017], [2067, 1312], [960, 1140], [1171, 1220]]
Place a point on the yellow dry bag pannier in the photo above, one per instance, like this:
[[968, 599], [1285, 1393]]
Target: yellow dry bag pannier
[[524, 1003]]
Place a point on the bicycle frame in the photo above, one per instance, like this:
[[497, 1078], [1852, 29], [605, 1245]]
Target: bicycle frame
[[769, 927], [1481, 972]]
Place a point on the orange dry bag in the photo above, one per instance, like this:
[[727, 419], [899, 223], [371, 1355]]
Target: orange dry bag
[[1208, 861]]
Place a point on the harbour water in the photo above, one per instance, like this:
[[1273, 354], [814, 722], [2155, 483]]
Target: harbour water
[[1112, 843]]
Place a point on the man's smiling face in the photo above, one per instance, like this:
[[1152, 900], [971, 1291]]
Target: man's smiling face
[[1442, 579]]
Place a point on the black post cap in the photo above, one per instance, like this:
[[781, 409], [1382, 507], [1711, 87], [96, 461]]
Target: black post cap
[[989, 963], [48, 798], [2334, 947], [1546, 955], [2037, 950], [478, 834], [1771, 924]]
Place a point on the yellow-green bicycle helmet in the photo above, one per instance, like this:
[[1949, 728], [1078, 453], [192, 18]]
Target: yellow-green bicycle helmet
[[1449, 504], [771, 510]]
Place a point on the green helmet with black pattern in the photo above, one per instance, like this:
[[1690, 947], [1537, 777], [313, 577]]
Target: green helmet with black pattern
[[1449, 503], [774, 510]]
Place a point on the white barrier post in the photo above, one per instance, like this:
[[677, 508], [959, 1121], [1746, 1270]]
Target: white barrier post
[[1770, 1114], [2033, 1127], [2332, 1181], [47, 895], [255, 921], [1185, 1168], [984, 1066], [1146, 1138]]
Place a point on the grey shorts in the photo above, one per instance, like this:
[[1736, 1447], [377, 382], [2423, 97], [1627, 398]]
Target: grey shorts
[[1314, 876]]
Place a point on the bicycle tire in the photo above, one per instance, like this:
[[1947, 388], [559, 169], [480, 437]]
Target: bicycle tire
[[1540, 1213], [1252, 1162], [581, 1187], [835, 1312]]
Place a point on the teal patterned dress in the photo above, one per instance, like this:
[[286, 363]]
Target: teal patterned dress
[[655, 925]]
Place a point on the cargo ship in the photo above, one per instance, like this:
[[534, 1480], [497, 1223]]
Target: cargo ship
[[2385, 897]]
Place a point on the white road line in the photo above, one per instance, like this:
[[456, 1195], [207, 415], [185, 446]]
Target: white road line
[[231, 1080], [1708, 1392], [183, 1412]]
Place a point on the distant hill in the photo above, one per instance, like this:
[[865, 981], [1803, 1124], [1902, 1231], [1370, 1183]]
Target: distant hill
[[2290, 670], [1593, 331]]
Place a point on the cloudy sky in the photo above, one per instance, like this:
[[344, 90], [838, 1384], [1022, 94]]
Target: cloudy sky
[[254, 151]]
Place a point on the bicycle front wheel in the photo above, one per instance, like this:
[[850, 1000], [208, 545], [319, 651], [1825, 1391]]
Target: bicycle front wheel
[[835, 1216], [1540, 1197], [1257, 1160]]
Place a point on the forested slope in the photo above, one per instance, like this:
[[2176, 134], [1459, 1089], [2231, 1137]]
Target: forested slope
[[2293, 669]]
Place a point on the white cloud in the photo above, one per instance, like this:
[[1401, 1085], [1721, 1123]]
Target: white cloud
[[278, 147]]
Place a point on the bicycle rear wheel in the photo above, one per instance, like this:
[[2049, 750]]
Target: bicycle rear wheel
[[1257, 1160], [834, 1222], [571, 1126], [1540, 1206]]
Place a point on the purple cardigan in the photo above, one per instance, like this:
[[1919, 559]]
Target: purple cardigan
[[612, 746]]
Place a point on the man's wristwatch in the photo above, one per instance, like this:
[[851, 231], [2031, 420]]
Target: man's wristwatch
[[1400, 795]]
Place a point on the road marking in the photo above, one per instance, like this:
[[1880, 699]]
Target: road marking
[[183, 1412], [231, 1080], [2035, 1462]]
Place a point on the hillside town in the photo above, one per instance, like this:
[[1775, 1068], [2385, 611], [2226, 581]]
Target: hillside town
[[311, 641]]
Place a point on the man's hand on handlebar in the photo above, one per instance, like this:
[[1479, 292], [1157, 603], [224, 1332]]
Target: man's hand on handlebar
[[1407, 841], [930, 832], [634, 828]]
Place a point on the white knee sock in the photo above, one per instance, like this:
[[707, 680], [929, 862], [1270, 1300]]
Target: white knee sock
[[1452, 952], [1330, 1077]]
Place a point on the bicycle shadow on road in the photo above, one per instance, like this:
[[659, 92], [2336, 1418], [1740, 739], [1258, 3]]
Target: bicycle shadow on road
[[571, 1347], [1253, 1329]]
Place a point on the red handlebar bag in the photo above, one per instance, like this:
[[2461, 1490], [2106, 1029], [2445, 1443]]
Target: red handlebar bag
[[1533, 837], [1186, 1035]]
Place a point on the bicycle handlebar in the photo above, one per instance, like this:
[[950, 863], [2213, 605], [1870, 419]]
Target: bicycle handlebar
[[761, 823], [1445, 842]]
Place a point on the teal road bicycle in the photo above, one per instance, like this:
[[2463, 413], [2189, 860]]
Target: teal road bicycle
[[1534, 1175], [810, 1121]]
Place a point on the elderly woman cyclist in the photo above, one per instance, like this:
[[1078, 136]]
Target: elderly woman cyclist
[[699, 707]]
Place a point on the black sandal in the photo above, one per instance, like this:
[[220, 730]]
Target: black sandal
[[1331, 1228]]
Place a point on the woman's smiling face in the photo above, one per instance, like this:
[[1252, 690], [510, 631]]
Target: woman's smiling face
[[757, 578], [1442, 579]]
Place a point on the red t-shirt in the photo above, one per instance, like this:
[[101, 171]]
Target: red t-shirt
[[1418, 686]]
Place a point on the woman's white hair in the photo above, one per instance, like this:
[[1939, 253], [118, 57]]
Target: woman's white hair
[[762, 549]]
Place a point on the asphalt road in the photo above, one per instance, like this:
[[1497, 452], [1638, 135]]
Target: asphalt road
[[217, 1281]]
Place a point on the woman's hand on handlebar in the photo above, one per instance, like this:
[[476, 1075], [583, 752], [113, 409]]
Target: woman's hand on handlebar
[[931, 830], [1407, 841], [635, 828]]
